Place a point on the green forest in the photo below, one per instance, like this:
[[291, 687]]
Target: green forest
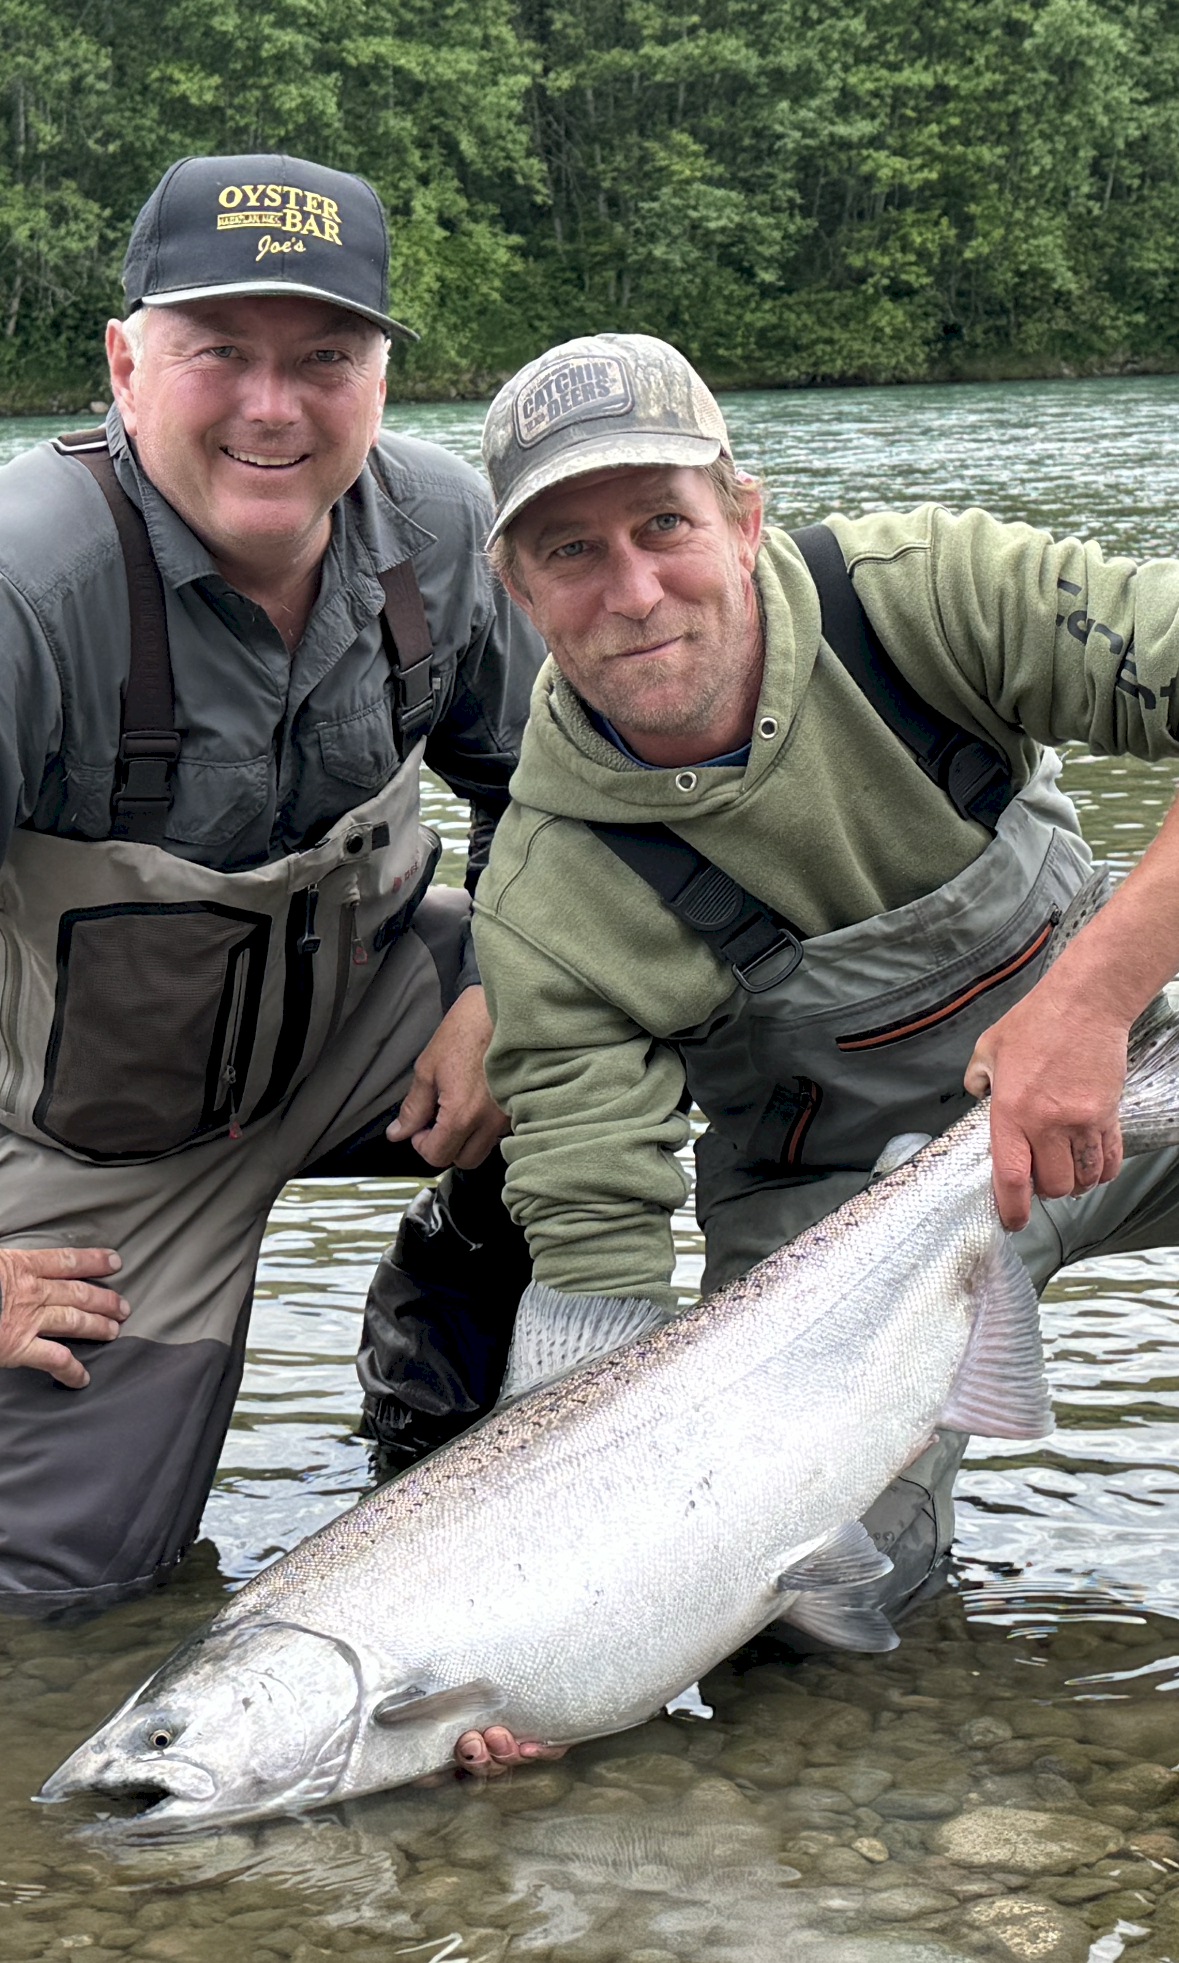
[[793, 192]]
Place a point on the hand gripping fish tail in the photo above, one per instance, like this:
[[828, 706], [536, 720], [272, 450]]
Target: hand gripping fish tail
[[1149, 1109]]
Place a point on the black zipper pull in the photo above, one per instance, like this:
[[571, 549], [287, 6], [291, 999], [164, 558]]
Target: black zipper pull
[[235, 1130], [308, 941]]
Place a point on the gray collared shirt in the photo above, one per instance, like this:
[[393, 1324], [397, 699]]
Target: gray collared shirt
[[274, 747]]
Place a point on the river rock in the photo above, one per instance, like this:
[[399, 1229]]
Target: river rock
[[917, 1803], [842, 1864], [1026, 1927], [545, 1785], [1140, 1731], [661, 1771], [877, 1949], [1142, 1784], [863, 1784], [816, 1801], [1025, 1841], [906, 1902], [1156, 1844], [978, 1733], [1074, 1890], [1132, 1905], [762, 1763], [1031, 1720], [1065, 1760]]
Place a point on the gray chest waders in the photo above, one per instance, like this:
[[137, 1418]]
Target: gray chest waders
[[148, 1003], [175, 1045]]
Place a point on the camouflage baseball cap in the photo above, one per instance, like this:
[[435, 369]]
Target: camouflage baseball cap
[[598, 403]]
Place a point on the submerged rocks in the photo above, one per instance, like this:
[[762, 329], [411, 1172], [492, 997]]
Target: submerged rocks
[[1027, 1927], [1026, 1842]]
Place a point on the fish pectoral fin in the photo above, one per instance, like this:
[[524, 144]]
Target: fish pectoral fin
[[1001, 1389], [899, 1151], [841, 1618], [554, 1332], [846, 1559], [413, 1701]]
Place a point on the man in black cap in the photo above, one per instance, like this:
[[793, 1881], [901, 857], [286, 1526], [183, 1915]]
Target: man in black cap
[[234, 622]]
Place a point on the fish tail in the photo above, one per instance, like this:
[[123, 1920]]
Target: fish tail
[[1149, 1110]]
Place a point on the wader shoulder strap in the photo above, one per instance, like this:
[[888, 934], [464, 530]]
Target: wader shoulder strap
[[149, 743], [759, 946], [409, 647], [974, 774]]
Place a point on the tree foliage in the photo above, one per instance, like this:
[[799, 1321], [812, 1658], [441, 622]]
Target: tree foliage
[[792, 191]]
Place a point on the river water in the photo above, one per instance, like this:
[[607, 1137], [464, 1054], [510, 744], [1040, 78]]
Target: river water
[[1001, 1786]]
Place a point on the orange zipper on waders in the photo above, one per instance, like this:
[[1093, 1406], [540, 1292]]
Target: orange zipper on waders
[[914, 1025]]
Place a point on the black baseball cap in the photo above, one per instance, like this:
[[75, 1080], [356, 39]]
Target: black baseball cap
[[272, 224]]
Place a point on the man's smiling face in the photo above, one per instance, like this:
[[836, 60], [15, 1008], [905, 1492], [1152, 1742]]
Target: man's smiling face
[[252, 414]]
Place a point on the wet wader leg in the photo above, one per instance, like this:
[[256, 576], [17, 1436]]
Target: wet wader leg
[[101, 1490], [439, 1315]]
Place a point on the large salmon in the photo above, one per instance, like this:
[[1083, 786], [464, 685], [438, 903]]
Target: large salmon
[[571, 1564]]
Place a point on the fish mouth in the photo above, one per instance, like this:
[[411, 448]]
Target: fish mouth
[[149, 1797]]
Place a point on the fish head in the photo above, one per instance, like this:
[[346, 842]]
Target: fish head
[[246, 1719]]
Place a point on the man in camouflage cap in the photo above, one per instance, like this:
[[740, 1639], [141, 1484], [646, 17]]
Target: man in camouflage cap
[[786, 843]]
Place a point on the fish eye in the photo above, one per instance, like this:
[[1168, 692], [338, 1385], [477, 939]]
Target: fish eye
[[160, 1737]]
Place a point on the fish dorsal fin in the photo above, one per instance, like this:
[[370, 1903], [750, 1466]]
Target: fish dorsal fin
[[841, 1618], [554, 1332], [846, 1559], [1001, 1389], [455, 1700], [899, 1151]]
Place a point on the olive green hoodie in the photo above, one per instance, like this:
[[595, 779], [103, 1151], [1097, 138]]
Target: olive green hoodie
[[1014, 635]]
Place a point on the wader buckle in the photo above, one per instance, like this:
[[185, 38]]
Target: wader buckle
[[766, 965], [415, 701], [146, 759]]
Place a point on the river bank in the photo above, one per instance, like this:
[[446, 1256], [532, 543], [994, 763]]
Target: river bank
[[70, 394]]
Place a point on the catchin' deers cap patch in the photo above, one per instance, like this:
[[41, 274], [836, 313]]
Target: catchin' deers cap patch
[[602, 402], [217, 225]]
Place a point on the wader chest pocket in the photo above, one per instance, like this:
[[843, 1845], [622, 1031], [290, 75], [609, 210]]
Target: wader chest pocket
[[153, 1026], [918, 1021]]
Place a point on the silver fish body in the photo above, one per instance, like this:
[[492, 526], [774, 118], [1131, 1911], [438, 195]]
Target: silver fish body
[[571, 1564]]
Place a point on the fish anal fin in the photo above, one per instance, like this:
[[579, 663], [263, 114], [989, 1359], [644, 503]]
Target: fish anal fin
[[840, 1618], [845, 1559], [689, 1703], [1001, 1389], [412, 1702]]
